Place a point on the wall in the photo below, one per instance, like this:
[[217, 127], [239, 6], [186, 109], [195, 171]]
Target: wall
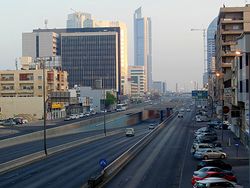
[[11, 106]]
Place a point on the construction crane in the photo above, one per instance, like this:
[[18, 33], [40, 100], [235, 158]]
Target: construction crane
[[204, 45]]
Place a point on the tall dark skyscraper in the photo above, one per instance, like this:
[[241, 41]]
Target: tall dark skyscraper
[[211, 31], [143, 45]]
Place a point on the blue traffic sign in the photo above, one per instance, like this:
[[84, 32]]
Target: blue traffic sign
[[103, 163]]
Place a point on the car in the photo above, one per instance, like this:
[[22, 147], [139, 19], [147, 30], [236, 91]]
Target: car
[[209, 153], [67, 118], [204, 175], [182, 110], [198, 146], [207, 136], [9, 122], [214, 123], [180, 115], [211, 169], [151, 126], [204, 131], [81, 115], [72, 116], [18, 120], [129, 132], [188, 110], [214, 162], [214, 182]]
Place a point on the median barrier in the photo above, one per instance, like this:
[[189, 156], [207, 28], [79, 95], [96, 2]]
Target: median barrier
[[56, 131], [111, 170]]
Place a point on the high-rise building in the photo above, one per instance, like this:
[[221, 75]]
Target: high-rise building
[[232, 22], [90, 54], [143, 45], [211, 31], [79, 20], [123, 50]]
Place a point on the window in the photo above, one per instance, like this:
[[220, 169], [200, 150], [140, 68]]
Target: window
[[247, 86], [40, 87], [241, 87], [40, 77], [240, 62], [246, 59]]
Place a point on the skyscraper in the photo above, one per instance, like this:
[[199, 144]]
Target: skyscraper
[[143, 45], [79, 20], [211, 31]]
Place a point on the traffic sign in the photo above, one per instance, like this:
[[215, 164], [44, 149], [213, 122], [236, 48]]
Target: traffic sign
[[199, 94], [226, 109], [103, 163]]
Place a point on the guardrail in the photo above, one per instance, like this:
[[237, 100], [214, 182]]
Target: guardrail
[[111, 170]]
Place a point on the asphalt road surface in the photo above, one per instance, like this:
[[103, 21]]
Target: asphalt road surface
[[165, 163], [73, 167]]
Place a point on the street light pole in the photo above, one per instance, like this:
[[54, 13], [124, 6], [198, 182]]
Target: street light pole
[[44, 110]]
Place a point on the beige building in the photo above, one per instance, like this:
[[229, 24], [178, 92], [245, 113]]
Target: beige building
[[232, 22], [17, 86], [40, 44], [138, 80]]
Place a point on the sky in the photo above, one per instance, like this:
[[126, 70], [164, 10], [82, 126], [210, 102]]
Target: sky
[[177, 51]]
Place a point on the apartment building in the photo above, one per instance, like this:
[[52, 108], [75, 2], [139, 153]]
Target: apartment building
[[242, 70], [232, 22], [19, 88], [138, 77]]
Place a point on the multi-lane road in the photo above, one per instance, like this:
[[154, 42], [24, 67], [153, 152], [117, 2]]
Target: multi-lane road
[[73, 167], [165, 162]]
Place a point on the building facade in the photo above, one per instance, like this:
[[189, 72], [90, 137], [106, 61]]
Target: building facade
[[242, 69], [143, 45], [138, 80], [232, 22]]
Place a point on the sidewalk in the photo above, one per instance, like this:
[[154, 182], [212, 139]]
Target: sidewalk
[[238, 156]]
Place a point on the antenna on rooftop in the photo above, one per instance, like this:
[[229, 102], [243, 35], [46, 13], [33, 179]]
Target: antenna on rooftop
[[16, 64], [46, 23]]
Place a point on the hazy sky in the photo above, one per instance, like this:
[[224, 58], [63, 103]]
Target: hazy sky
[[177, 52]]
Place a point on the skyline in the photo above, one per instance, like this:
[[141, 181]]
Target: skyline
[[173, 42]]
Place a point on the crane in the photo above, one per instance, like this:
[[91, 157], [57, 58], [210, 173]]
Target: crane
[[204, 45]]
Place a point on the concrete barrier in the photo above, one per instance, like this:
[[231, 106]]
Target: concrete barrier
[[111, 170], [57, 131]]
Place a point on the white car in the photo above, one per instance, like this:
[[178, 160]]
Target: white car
[[215, 182], [180, 115], [198, 146], [129, 132]]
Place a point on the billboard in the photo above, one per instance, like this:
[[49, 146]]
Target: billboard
[[199, 94]]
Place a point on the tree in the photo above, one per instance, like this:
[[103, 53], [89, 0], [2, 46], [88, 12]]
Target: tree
[[110, 99]]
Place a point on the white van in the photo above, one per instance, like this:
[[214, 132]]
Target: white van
[[129, 132]]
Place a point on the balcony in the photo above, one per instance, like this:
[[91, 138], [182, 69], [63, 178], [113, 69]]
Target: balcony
[[228, 53], [226, 65], [231, 20], [231, 31], [227, 43]]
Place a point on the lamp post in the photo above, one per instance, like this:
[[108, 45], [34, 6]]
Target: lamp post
[[104, 110], [218, 75], [44, 109]]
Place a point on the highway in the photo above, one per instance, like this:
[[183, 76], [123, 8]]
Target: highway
[[165, 162], [73, 167]]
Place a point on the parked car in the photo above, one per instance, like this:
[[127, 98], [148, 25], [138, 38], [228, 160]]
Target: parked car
[[204, 175], [214, 182], [188, 110], [81, 115], [204, 130], [198, 146], [129, 132], [209, 154], [9, 122], [67, 118], [72, 116], [214, 123], [213, 162], [211, 169], [207, 136], [18, 120]]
